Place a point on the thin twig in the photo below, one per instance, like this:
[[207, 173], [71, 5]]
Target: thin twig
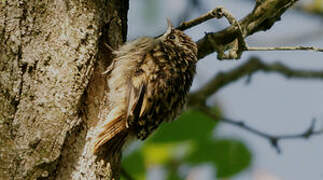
[[232, 38], [309, 9], [205, 17], [237, 48], [286, 48], [273, 139], [247, 69], [219, 12], [264, 15]]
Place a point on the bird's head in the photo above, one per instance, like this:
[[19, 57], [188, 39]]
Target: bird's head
[[178, 39]]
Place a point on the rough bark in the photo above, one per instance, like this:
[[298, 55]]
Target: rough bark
[[51, 89]]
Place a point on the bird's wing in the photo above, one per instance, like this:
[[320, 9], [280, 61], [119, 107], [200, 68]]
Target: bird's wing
[[135, 102]]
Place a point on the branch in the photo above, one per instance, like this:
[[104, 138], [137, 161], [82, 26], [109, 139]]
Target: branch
[[262, 18], [186, 25], [264, 15], [218, 13], [311, 8], [251, 66], [273, 139], [232, 38], [286, 48]]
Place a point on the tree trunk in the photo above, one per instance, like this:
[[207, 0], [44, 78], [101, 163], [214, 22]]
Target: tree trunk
[[52, 92]]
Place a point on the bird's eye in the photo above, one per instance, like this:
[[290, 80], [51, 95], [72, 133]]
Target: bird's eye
[[172, 37]]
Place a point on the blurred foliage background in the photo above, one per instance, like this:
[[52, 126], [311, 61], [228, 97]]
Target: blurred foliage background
[[186, 143], [177, 150]]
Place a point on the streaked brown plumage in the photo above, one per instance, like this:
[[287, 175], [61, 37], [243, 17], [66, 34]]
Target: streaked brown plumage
[[148, 82]]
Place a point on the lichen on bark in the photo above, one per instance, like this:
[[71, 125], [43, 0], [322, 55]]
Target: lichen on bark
[[48, 53]]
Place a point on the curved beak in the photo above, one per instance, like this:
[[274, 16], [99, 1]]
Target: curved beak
[[169, 29], [170, 25]]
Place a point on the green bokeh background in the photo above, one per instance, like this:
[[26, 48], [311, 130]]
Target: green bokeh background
[[188, 141]]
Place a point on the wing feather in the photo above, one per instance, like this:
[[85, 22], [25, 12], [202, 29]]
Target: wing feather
[[135, 102]]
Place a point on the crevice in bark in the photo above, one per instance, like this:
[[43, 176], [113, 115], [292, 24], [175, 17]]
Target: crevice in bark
[[45, 170], [75, 160], [3, 31], [73, 144], [16, 100]]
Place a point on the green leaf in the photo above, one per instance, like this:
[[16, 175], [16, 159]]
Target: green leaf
[[189, 126], [173, 175], [229, 156], [157, 153], [134, 165]]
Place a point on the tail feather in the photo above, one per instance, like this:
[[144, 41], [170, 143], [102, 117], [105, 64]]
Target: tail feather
[[111, 131]]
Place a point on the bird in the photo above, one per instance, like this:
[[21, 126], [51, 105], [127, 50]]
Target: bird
[[149, 80]]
